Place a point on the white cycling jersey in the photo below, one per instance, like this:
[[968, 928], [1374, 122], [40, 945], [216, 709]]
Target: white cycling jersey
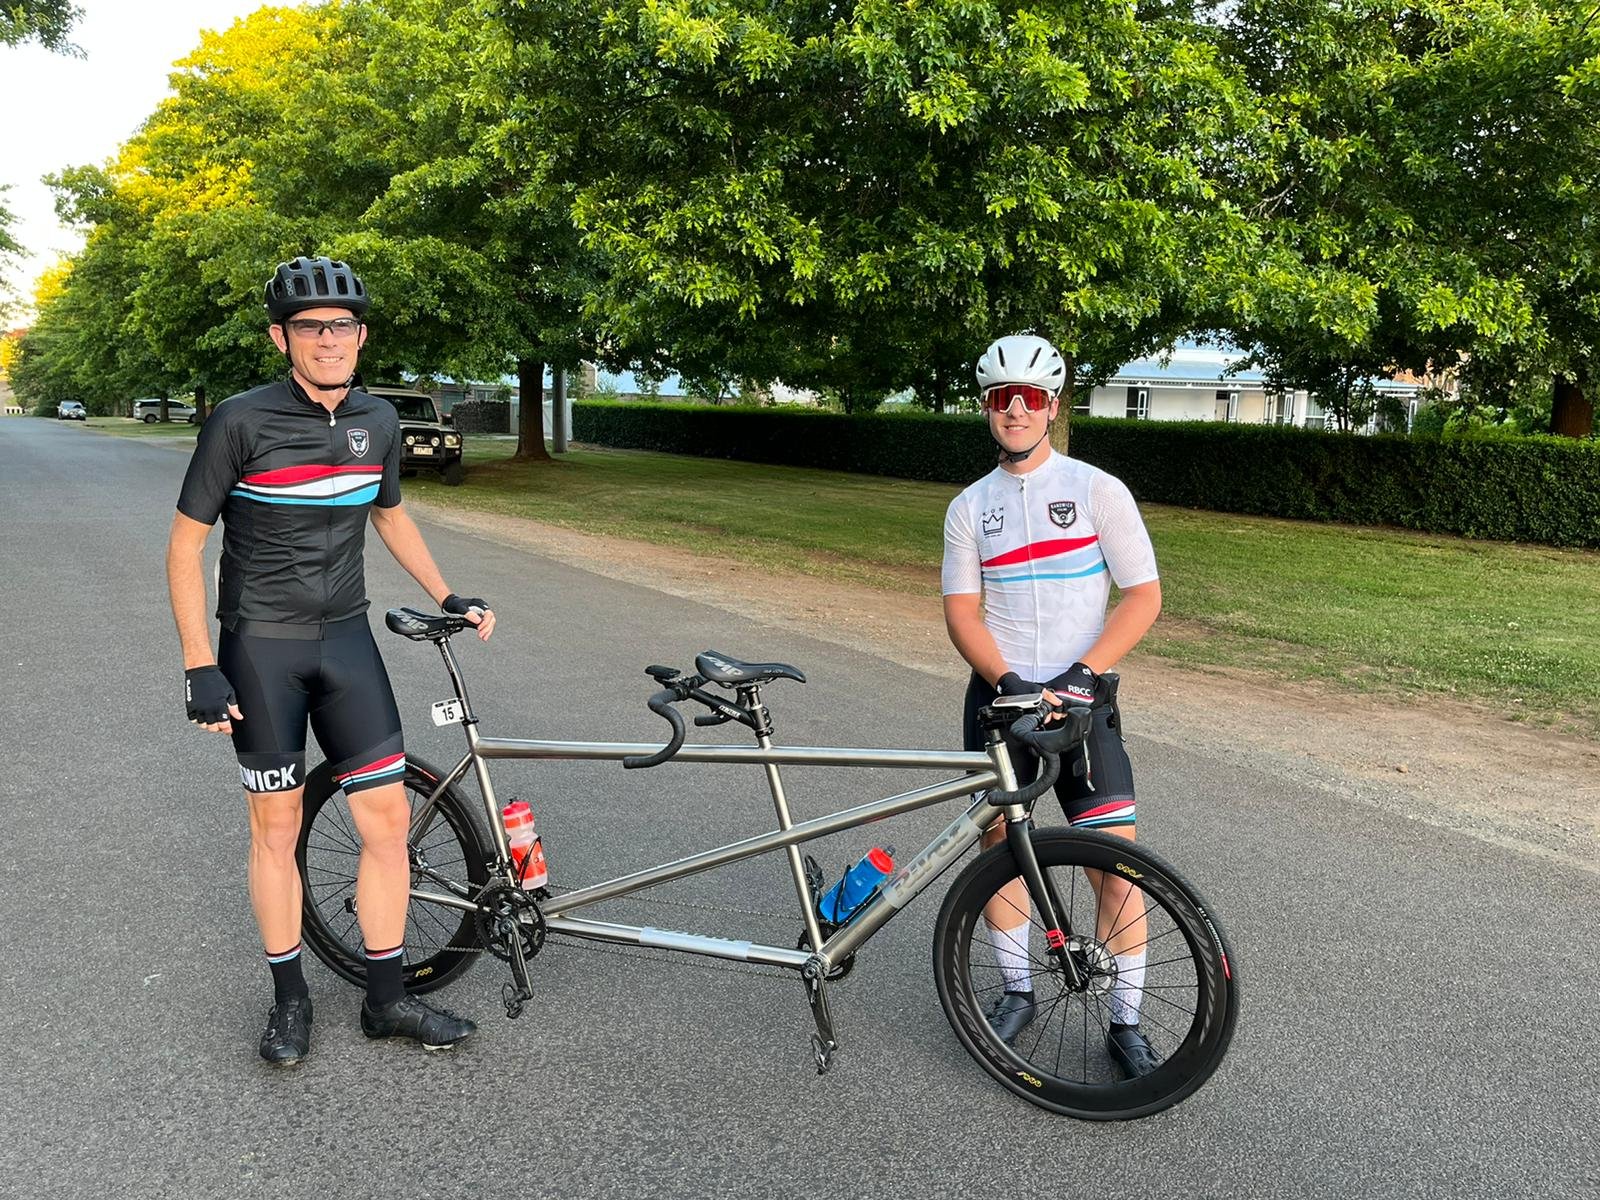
[[1043, 549]]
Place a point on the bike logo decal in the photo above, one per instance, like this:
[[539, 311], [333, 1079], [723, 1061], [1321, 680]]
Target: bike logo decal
[[359, 441], [1129, 871], [994, 521], [1030, 1080], [1064, 512]]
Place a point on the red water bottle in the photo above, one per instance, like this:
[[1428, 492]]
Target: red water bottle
[[527, 851]]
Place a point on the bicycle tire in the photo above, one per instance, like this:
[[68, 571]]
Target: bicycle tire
[[1190, 1001], [440, 942]]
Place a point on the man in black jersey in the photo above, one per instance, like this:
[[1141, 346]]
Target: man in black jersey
[[295, 469]]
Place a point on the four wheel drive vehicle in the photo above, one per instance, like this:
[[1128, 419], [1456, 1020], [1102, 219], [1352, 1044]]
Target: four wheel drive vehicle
[[428, 443], [149, 411], [71, 410]]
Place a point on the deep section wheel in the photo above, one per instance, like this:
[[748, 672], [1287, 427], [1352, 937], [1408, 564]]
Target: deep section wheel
[[1186, 1002], [448, 858]]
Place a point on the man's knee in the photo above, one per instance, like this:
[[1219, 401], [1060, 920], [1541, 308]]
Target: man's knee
[[275, 821]]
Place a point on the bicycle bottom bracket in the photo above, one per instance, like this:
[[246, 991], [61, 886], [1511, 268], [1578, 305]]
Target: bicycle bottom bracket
[[506, 912]]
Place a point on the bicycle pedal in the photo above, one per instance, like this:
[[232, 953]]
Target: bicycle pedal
[[822, 1052], [514, 999]]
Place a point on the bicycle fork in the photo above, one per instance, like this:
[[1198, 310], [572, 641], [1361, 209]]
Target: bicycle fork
[[1042, 891]]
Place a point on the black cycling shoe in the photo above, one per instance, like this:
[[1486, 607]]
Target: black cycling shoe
[[1130, 1050], [288, 1036], [1011, 1014], [413, 1017]]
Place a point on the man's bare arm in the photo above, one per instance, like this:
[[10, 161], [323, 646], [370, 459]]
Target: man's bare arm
[[963, 618], [186, 584], [400, 533]]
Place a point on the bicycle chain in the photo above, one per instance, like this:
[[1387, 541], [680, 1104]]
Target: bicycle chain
[[647, 954]]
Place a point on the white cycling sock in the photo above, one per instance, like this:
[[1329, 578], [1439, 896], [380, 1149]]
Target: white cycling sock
[[1129, 989], [1011, 952]]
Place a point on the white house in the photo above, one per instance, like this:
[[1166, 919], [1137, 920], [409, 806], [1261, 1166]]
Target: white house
[[1193, 382]]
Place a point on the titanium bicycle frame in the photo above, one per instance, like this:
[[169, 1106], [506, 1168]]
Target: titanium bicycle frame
[[983, 770]]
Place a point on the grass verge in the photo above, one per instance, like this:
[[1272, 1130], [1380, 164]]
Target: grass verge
[[128, 427], [1360, 608]]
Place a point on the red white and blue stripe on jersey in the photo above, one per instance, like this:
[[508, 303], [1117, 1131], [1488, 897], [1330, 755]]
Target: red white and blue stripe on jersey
[[391, 767], [327, 486], [1053, 558]]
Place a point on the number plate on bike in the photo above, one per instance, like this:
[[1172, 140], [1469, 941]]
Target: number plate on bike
[[448, 712]]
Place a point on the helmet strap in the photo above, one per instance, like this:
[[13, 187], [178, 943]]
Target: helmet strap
[[1016, 456], [321, 387]]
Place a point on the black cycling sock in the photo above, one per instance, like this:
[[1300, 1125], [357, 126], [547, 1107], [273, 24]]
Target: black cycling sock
[[384, 984], [288, 980]]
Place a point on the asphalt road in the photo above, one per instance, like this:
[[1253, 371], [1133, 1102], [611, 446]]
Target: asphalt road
[[1420, 1007]]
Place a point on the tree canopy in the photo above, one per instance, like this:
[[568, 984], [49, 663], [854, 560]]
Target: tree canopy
[[855, 198], [47, 22]]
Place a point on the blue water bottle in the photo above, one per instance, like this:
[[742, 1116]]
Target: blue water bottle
[[840, 903]]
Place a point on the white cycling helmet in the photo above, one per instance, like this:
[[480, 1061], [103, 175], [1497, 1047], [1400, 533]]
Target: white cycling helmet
[[1022, 358]]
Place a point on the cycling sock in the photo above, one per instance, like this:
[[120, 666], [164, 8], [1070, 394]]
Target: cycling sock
[[288, 980], [1129, 989], [1011, 952], [384, 984]]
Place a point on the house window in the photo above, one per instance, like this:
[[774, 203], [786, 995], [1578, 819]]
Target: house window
[[1082, 399], [1138, 403], [1227, 406], [1280, 408]]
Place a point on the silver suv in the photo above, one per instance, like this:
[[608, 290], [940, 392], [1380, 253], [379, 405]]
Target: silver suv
[[149, 411], [71, 410]]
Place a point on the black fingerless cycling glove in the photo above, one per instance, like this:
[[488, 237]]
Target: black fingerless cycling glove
[[207, 693], [1075, 685], [457, 606], [1012, 684]]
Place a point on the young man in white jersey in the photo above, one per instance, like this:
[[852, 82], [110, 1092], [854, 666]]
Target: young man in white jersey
[[1030, 553]]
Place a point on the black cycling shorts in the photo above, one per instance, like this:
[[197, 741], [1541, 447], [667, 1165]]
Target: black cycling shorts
[[1094, 794], [337, 681]]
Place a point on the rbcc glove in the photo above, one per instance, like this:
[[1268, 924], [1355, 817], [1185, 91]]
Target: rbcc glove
[[1075, 685], [457, 606], [207, 693]]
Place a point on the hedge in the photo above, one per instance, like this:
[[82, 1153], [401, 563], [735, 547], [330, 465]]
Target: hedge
[[1525, 489]]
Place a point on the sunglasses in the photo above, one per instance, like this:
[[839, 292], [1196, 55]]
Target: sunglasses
[[343, 327], [998, 398]]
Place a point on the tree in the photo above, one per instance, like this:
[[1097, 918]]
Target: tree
[[859, 201], [46, 21], [1434, 184]]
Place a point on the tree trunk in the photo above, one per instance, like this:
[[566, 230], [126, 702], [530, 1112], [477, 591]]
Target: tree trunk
[[1061, 427], [200, 403], [558, 412], [1573, 413], [530, 416], [163, 417]]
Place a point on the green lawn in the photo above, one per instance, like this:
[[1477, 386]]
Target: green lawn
[[1517, 626], [128, 427]]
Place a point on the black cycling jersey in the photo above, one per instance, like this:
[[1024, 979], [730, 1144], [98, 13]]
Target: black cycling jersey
[[293, 484]]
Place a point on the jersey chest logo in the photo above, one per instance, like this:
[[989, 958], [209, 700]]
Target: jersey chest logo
[[1063, 512], [994, 520], [359, 441]]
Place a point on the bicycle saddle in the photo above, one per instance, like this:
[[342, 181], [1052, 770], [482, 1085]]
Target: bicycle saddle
[[719, 668], [421, 627]]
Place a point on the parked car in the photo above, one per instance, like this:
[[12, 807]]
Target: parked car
[[149, 411], [71, 410], [427, 441]]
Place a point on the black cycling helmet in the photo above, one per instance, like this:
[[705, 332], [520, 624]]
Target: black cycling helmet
[[314, 283]]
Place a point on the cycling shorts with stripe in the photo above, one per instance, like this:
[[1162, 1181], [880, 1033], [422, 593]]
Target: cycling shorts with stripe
[[1095, 791], [337, 682]]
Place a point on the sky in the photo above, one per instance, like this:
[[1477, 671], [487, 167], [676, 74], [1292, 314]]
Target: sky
[[57, 111]]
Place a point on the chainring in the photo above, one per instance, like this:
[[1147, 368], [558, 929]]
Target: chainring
[[505, 912]]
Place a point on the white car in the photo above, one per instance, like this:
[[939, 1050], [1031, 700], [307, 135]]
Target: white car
[[149, 411]]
